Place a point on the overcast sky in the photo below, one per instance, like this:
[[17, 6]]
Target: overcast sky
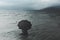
[[27, 4]]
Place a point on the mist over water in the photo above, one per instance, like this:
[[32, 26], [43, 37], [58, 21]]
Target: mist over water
[[27, 4], [41, 22], [9, 19], [45, 24]]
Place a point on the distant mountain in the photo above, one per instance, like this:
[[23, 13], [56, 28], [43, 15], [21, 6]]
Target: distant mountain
[[53, 9]]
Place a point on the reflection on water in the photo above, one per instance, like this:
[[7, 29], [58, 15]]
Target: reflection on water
[[9, 20]]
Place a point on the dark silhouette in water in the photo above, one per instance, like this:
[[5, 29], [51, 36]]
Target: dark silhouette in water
[[25, 25]]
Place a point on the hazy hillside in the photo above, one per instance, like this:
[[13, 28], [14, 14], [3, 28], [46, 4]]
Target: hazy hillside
[[53, 9]]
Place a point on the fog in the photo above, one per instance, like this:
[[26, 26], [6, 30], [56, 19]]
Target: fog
[[45, 25], [27, 4]]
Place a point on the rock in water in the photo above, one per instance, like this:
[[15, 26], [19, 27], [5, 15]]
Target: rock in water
[[24, 24]]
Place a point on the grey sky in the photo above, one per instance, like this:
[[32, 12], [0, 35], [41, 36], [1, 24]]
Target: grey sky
[[27, 4]]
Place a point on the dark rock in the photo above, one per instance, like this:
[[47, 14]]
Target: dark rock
[[24, 24]]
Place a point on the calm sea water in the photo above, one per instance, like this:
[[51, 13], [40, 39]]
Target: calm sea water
[[40, 21], [9, 19]]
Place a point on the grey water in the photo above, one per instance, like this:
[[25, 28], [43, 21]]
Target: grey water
[[40, 21]]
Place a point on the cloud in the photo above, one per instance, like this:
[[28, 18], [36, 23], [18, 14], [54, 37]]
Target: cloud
[[2, 3], [28, 4]]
